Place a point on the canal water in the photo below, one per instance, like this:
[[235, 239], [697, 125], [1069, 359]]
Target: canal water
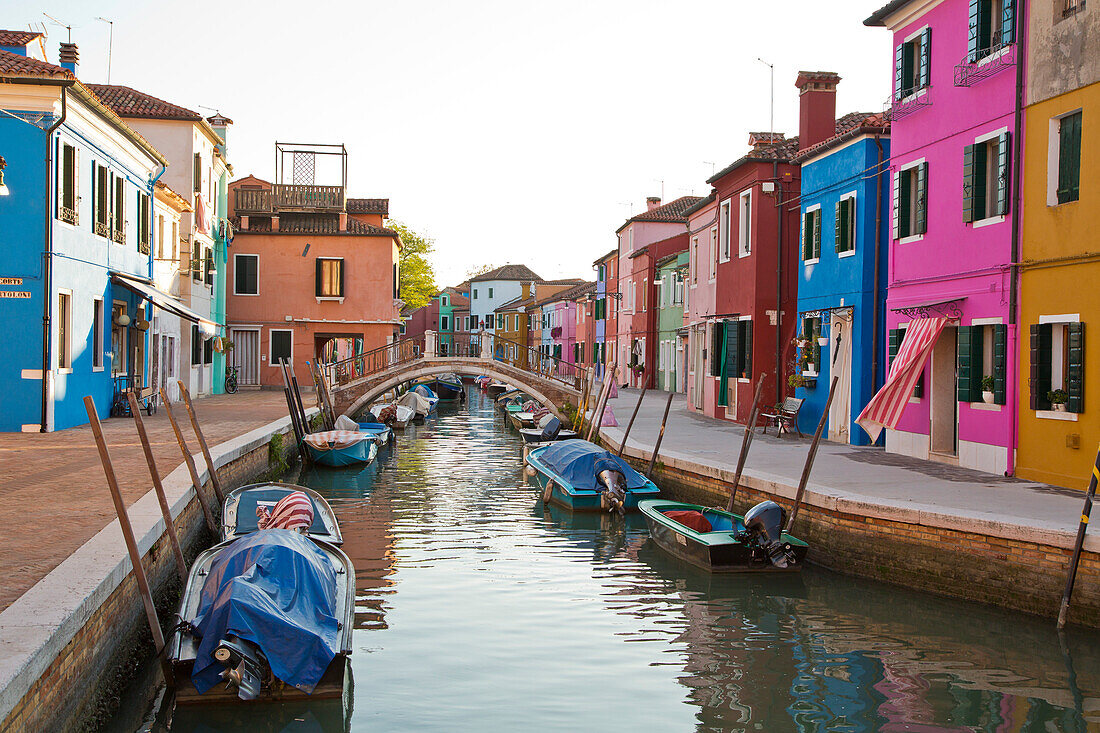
[[478, 609]]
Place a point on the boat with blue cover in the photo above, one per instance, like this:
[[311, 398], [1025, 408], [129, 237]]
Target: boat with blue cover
[[723, 542], [583, 476], [239, 510], [549, 430], [447, 387], [339, 448]]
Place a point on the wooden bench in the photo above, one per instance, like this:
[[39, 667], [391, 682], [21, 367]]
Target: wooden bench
[[785, 417]]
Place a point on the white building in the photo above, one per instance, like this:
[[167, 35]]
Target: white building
[[169, 250]]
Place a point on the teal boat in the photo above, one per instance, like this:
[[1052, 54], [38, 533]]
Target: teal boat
[[239, 511], [722, 542], [340, 448], [581, 476]]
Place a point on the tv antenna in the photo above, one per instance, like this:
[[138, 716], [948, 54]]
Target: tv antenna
[[712, 165], [662, 182], [771, 113], [110, 44], [67, 27]]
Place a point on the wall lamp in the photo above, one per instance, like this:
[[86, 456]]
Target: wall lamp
[[3, 188]]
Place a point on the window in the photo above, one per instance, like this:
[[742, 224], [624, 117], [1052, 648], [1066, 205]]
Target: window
[[443, 300], [985, 178], [282, 346], [911, 201], [912, 65], [713, 252], [895, 337], [160, 237], [846, 224], [490, 293], [725, 215], [145, 223], [246, 276], [678, 292], [118, 220], [64, 331], [101, 199], [196, 346], [992, 25], [1068, 9], [694, 260], [745, 224], [602, 273], [810, 354], [1057, 363], [175, 239], [466, 323], [68, 208], [444, 323], [1069, 158], [811, 234], [196, 173], [208, 351], [196, 262], [208, 266], [97, 334], [645, 293], [981, 353], [330, 278], [475, 293]]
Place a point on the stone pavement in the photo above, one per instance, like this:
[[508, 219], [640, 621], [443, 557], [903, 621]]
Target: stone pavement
[[888, 482], [53, 494]]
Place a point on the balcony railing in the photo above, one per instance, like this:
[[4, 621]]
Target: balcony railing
[[909, 101], [289, 197], [992, 60]]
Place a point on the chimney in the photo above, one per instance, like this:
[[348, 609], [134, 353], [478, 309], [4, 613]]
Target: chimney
[[69, 57], [761, 140], [652, 202], [342, 221], [816, 107], [525, 290], [221, 124]]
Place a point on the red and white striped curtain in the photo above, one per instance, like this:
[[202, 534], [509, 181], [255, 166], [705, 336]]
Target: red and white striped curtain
[[885, 408]]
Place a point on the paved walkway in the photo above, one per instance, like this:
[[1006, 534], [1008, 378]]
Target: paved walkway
[[853, 473], [53, 494]]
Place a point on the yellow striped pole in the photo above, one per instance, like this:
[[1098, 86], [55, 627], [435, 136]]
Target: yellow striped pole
[[1063, 612]]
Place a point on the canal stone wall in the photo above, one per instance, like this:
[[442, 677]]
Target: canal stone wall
[[990, 562], [70, 644]]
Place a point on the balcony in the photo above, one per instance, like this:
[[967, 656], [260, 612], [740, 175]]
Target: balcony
[[908, 102], [992, 60], [289, 197]]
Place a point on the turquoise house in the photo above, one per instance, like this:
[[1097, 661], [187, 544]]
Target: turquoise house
[[671, 334]]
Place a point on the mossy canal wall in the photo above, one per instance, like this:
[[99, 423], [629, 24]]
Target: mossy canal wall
[[71, 644]]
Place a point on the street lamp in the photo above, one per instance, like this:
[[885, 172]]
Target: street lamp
[[3, 188]]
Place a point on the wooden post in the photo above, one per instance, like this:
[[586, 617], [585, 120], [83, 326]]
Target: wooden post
[[596, 406], [810, 456], [660, 437], [603, 405], [629, 425], [1082, 527], [128, 535], [746, 441], [300, 430], [165, 511], [210, 521], [582, 404], [202, 443]]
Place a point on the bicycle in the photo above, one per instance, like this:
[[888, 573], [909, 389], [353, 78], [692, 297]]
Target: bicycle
[[231, 379]]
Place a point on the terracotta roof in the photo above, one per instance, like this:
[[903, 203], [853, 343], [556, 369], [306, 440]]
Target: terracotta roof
[[14, 64], [672, 212], [508, 272], [848, 127], [565, 281], [700, 204], [612, 253], [127, 102], [325, 224], [879, 16], [570, 293], [17, 38], [515, 303], [368, 206]]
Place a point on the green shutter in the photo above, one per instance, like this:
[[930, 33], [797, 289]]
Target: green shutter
[[921, 223], [908, 73], [1008, 22], [893, 344], [745, 346], [968, 183], [897, 205], [1000, 364], [727, 349], [1040, 366], [807, 236], [1075, 367], [817, 234], [838, 228], [970, 348], [903, 208], [924, 77], [973, 41], [899, 79], [1000, 206], [1069, 158], [317, 281]]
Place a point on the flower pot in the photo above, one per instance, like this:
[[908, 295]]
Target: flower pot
[[987, 398], [1059, 407], [823, 341], [810, 366]]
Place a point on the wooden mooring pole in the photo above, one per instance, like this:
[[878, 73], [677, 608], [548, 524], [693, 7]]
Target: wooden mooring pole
[[603, 406], [582, 404], [810, 457], [190, 463], [660, 437], [746, 441], [128, 535], [165, 511], [202, 443], [1082, 527], [629, 425], [596, 405]]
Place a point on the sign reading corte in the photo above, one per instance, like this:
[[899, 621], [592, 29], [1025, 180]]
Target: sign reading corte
[[11, 281]]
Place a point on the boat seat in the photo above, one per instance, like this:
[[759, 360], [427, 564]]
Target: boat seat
[[247, 521], [690, 519]]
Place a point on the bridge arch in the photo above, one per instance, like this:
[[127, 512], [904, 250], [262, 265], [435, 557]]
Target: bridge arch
[[362, 393]]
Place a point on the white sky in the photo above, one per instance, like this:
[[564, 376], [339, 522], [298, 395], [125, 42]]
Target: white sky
[[510, 131]]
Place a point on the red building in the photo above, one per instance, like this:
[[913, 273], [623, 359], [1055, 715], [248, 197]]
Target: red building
[[643, 318]]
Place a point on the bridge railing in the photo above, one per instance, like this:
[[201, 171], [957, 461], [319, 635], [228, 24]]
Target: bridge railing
[[530, 359], [458, 343], [355, 367]]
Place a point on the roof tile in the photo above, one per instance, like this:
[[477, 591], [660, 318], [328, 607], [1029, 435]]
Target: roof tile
[[328, 224], [14, 64], [508, 272], [368, 206], [17, 38], [127, 102], [672, 212]]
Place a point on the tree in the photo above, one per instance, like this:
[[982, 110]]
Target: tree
[[479, 270], [416, 279]]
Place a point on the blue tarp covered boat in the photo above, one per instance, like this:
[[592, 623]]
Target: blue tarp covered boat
[[584, 477], [447, 386], [340, 447], [271, 613]]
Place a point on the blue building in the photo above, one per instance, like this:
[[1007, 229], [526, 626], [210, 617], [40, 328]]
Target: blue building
[[76, 275], [842, 274], [606, 288]]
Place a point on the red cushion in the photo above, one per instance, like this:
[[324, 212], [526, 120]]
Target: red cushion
[[690, 519]]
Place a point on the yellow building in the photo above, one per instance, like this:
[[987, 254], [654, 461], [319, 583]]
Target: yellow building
[[1059, 409]]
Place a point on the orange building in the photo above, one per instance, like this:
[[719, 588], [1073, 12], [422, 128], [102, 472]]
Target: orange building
[[312, 276]]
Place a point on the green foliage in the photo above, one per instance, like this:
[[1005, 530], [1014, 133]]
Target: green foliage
[[569, 411], [987, 383], [476, 270], [416, 275], [1058, 397], [317, 422], [276, 454]]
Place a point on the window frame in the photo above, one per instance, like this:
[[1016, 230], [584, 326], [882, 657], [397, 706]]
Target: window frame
[[271, 345], [1055, 160], [744, 223], [68, 214], [911, 169], [64, 364], [713, 254], [237, 256], [725, 230], [97, 334], [813, 230], [853, 230], [319, 293]]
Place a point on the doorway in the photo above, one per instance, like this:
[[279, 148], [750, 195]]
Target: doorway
[[246, 355], [697, 360], [840, 366], [945, 406]]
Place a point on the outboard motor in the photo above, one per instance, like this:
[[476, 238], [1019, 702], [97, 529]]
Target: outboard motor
[[765, 523], [550, 430], [615, 484], [244, 665]]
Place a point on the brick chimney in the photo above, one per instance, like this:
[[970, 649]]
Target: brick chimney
[[525, 289], [816, 106], [69, 58], [652, 202]]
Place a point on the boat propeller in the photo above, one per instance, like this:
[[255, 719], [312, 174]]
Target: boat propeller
[[615, 484], [244, 666], [764, 522]]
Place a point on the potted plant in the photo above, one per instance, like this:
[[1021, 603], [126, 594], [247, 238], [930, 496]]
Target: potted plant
[[822, 340], [795, 381], [1058, 399], [987, 389]]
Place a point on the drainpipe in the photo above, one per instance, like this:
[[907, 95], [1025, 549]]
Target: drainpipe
[[778, 283], [149, 355], [47, 256], [1014, 269], [878, 245]]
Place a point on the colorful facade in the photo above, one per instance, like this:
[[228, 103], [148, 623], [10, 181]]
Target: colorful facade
[[953, 144], [605, 312], [492, 289], [842, 277], [672, 272]]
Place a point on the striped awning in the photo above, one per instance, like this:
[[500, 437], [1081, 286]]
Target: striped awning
[[164, 301], [885, 408]]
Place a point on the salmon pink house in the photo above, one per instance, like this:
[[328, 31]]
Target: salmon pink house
[[955, 170]]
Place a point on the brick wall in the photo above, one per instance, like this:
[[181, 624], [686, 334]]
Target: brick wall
[[80, 689]]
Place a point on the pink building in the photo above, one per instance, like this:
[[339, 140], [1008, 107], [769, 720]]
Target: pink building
[[955, 165]]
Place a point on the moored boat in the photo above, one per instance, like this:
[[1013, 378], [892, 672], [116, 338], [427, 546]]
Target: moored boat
[[447, 387], [378, 432], [396, 416], [722, 542], [584, 477], [495, 388], [549, 430], [340, 447], [521, 420], [239, 512], [418, 401]]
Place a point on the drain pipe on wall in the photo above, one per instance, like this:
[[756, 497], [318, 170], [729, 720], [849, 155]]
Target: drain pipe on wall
[[47, 275], [878, 247], [1014, 268], [778, 283]]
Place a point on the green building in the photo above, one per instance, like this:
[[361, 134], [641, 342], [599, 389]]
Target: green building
[[671, 335]]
